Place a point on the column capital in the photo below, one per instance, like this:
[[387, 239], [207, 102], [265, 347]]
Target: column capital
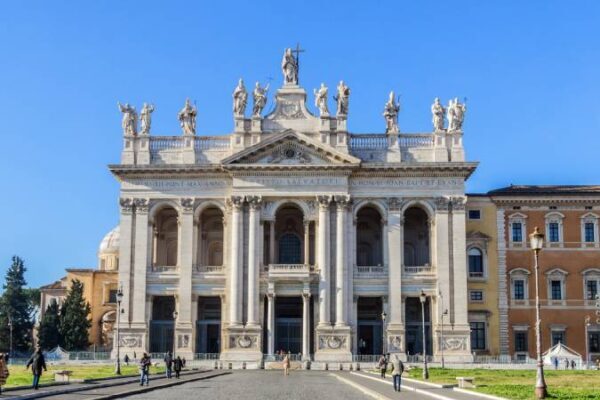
[[187, 204], [458, 203], [141, 205], [394, 203], [441, 204], [235, 202], [254, 202], [343, 201], [126, 205], [324, 201]]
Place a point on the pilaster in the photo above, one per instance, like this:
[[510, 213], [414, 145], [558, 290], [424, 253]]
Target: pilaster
[[253, 262], [185, 322], [142, 238], [342, 203], [395, 248], [323, 260]]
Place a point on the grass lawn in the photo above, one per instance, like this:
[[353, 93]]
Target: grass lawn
[[19, 376], [519, 384]]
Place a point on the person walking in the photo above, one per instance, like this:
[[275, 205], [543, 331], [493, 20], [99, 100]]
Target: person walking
[[145, 363], [286, 365], [555, 362], [37, 363], [126, 359], [573, 364], [3, 371], [397, 371], [177, 366], [168, 364], [382, 365]]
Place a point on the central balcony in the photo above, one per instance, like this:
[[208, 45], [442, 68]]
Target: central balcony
[[370, 271], [419, 270], [290, 271]]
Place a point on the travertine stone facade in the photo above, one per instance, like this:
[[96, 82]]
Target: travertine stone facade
[[291, 233]]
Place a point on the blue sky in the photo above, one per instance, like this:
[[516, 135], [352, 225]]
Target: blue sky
[[529, 70]]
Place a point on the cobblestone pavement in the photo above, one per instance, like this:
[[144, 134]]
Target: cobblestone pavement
[[299, 385]]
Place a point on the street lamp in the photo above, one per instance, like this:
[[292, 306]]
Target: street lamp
[[119, 300], [383, 317], [445, 312], [423, 298], [175, 315], [536, 240]]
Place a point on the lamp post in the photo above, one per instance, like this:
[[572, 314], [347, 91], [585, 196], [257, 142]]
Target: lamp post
[[383, 346], [536, 240], [423, 298], [119, 300], [10, 338], [175, 315]]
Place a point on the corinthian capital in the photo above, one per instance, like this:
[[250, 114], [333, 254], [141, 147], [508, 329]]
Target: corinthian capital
[[187, 204], [324, 201], [343, 201], [458, 203], [441, 203], [235, 202], [141, 205], [254, 202], [126, 204]]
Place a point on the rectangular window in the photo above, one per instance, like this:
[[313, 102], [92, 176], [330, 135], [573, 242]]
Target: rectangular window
[[521, 341], [476, 295], [474, 214], [519, 289], [517, 232], [477, 335], [112, 296], [591, 289], [589, 232], [558, 337], [556, 290], [594, 342], [553, 233]]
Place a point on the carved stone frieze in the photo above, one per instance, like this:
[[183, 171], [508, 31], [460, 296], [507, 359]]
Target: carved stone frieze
[[131, 340], [395, 343], [333, 342], [453, 343], [243, 341], [290, 152], [183, 341]]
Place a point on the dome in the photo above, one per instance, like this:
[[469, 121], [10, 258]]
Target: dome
[[110, 243]]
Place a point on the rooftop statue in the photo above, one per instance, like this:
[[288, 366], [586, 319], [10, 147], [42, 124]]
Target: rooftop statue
[[289, 67], [342, 98], [240, 99], [438, 111], [187, 118], [321, 99], [146, 118], [456, 115], [390, 113], [260, 99], [129, 121]]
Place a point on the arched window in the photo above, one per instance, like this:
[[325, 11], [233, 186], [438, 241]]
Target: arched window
[[290, 250], [364, 255], [416, 237], [165, 238], [215, 254], [369, 244], [475, 263]]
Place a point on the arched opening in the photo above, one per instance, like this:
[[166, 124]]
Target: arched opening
[[210, 238], [475, 263], [369, 243], [290, 247], [165, 238], [162, 324], [416, 237], [289, 237]]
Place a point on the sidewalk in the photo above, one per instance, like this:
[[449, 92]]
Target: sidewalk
[[93, 389], [378, 388]]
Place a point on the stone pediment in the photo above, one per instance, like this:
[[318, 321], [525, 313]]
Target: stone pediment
[[291, 148]]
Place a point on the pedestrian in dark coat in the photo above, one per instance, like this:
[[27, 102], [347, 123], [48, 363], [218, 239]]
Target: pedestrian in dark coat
[[37, 362], [382, 365], [177, 366], [145, 363], [126, 359]]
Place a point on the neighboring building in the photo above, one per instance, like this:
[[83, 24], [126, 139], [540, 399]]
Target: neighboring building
[[292, 233], [569, 267], [100, 289], [483, 275]]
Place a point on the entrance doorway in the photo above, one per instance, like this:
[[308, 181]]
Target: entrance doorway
[[288, 324], [162, 324], [414, 326], [370, 326], [208, 325]]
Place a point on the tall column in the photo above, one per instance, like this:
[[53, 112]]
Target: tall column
[[235, 275], [125, 259], [185, 257], [442, 252], [459, 260], [272, 242], [306, 324], [323, 259], [253, 277], [306, 242], [271, 322], [142, 233], [395, 248], [340, 266]]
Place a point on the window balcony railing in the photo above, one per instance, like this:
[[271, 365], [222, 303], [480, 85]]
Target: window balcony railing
[[476, 274], [210, 269], [370, 271], [418, 269], [165, 268], [290, 270]]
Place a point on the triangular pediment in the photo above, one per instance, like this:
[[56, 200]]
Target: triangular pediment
[[477, 235], [290, 148]]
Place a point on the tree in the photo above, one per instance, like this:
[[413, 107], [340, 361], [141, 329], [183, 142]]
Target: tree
[[16, 309], [49, 333], [74, 318]]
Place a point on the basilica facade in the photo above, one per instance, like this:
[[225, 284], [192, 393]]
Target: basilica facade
[[292, 233]]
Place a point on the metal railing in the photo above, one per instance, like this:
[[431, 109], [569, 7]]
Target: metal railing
[[289, 268], [88, 355], [207, 356], [366, 358], [280, 357]]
